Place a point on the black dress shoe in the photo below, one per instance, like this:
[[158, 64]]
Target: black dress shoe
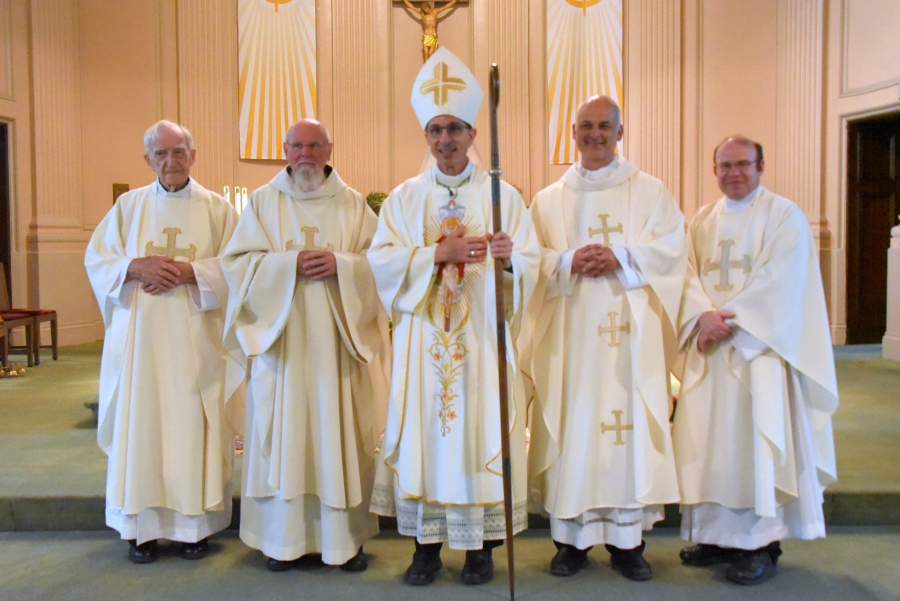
[[277, 565], [630, 562], [568, 560], [479, 567], [357, 563], [144, 553], [197, 550], [708, 555], [755, 566], [310, 561], [425, 565]]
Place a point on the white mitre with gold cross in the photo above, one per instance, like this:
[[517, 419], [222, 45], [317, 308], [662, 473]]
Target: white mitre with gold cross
[[445, 86]]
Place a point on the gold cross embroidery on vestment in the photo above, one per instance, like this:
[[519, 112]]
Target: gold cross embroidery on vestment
[[170, 250], [441, 85], [309, 232], [618, 428], [613, 329], [606, 230], [725, 264]]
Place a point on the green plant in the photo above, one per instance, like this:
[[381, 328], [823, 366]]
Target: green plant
[[375, 200]]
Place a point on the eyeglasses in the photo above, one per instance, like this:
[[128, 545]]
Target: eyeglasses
[[313, 146], [741, 166], [453, 130]]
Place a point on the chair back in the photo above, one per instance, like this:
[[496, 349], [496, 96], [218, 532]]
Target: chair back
[[4, 293]]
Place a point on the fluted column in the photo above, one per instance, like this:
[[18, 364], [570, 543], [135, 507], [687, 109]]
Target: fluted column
[[360, 102], [652, 111], [501, 36], [207, 82], [799, 106], [6, 50], [57, 115]]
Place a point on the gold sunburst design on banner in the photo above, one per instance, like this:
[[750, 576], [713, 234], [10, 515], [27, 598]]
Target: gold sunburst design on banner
[[584, 57], [277, 62]]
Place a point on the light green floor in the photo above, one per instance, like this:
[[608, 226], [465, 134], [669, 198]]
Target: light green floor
[[48, 446], [851, 564]]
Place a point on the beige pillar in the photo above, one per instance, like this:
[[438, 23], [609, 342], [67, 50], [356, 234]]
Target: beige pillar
[[891, 341]]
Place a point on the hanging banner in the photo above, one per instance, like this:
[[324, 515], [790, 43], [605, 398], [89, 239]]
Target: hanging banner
[[277, 63], [584, 58]]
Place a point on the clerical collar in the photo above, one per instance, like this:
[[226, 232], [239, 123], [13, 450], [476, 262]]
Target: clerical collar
[[733, 205], [158, 190], [452, 182], [598, 175]]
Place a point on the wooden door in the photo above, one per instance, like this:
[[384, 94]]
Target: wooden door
[[873, 205], [5, 223]]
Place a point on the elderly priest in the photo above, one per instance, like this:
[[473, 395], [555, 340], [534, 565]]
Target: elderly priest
[[433, 258], [302, 310], [170, 396]]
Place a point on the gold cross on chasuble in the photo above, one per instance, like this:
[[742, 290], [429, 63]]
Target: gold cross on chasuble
[[613, 329], [441, 84], [309, 232], [170, 250], [606, 230], [724, 264], [618, 428]]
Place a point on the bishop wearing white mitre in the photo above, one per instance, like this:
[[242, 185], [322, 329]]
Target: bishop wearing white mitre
[[433, 259]]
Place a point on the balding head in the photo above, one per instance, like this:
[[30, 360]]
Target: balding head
[[597, 129], [307, 147], [738, 165]]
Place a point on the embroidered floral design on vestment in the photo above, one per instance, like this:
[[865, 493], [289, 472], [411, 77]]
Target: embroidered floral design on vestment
[[448, 352]]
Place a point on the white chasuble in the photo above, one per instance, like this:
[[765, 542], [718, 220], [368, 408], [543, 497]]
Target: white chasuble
[[752, 431], [316, 397], [170, 397], [600, 356], [441, 469]]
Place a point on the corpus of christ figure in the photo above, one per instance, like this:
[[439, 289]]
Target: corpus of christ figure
[[429, 16]]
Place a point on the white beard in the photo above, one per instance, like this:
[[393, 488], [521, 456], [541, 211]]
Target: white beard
[[307, 178]]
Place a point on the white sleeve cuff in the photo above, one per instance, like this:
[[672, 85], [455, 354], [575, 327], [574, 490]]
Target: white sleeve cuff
[[202, 294], [629, 272], [561, 282], [749, 346]]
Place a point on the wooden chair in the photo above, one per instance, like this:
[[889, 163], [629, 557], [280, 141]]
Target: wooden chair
[[16, 318], [11, 321], [4, 356]]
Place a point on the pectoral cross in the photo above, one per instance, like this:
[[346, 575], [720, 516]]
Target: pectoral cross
[[170, 250], [606, 230], [724, 264], [612, 330], [441, 84], [618, 428], [310, 232]]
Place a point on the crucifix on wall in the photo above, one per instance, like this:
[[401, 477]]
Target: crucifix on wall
[[429, 14]]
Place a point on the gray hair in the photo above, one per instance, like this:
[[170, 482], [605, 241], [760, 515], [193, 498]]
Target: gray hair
[[153, 133]]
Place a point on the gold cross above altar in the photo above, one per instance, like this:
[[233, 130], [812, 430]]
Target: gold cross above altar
[[606, 230], [613, 329], [618, 428], [309, 232], [724, 264], [170, 250]]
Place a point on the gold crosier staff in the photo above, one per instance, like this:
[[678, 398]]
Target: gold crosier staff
[[501, 335]]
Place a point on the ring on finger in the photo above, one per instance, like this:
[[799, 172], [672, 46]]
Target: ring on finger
[[471, 253]]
